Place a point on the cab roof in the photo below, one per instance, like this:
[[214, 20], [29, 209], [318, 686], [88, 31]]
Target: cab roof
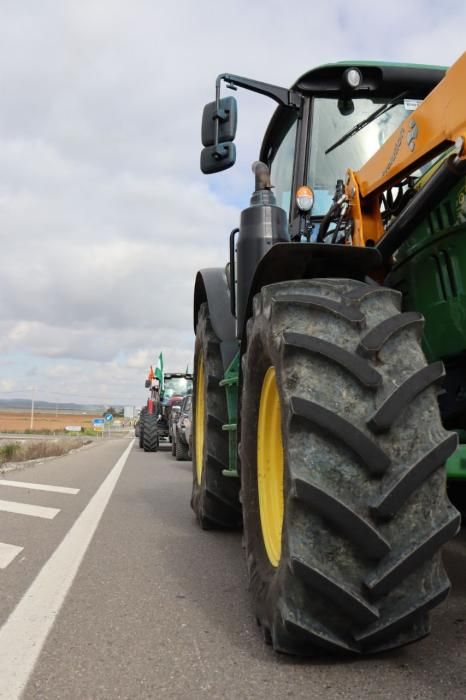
[[377, 78]]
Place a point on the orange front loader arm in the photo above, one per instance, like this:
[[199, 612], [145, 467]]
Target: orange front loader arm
[[437, 124]]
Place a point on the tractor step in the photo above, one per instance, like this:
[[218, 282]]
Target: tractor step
[[229, 381], [230, 472]]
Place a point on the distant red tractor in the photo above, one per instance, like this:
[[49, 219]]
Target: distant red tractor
[[150, 413], [165, 391]]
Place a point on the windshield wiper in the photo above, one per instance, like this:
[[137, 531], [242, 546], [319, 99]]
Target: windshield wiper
[[367, 120]]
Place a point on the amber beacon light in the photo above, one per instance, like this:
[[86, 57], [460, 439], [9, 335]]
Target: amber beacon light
[[304, 198]]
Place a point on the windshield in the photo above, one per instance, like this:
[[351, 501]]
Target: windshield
[[177, 386], [329, 124]]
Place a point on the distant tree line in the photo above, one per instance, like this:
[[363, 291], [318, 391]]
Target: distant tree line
[[114, 411]]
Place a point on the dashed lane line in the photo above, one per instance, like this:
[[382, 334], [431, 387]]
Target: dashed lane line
[[7, 553], [25, 631], [26, 509], [39, 487]]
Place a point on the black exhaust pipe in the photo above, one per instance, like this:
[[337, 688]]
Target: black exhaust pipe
[[262, 225]]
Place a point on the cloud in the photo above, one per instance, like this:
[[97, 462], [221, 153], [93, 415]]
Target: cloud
[[104, 215]]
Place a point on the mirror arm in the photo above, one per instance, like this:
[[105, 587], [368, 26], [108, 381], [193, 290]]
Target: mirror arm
[[284, 97], [217, 112]]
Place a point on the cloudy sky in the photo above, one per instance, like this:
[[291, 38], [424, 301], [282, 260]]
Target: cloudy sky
[[104, 214]]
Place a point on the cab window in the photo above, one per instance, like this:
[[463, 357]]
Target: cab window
[[281, 171], [329, 122]]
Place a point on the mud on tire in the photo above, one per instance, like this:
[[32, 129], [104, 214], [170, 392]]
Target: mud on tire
[[365, 506], [214, 499]]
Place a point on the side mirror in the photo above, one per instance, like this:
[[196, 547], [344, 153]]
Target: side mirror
[[219, 154], [214, 159], [227, 117]]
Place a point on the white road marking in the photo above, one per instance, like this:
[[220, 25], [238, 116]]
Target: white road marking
[[39, 487], [7, 553], [26, 509], [25, 631]]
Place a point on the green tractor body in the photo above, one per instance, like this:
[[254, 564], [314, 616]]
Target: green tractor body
[[312, 396], [430, 271]]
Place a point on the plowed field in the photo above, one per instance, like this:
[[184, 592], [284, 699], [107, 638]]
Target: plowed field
[[20, 421]]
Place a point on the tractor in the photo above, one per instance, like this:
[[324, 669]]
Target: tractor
[[164, 390], [176, 386], [150, 413], [330, 353]]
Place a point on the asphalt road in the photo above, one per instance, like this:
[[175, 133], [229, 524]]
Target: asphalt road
[[156, 608]]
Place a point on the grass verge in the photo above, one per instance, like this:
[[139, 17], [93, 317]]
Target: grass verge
[[24, 451]]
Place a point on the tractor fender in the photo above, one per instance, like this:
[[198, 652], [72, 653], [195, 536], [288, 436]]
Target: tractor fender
[[211, 286], [294, 261]]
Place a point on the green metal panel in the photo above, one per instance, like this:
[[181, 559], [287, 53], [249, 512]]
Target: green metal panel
[[357, 62], [456, 465], [230, 383], [430, 270]]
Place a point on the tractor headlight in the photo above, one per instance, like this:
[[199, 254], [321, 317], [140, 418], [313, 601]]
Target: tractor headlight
[[304, 198], [352, 77]]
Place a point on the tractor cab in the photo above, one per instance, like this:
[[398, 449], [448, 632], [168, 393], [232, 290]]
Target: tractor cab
[[333, 118], [176, 384]]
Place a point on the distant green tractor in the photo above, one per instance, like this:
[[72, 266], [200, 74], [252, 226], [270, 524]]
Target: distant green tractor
[[316, 421]]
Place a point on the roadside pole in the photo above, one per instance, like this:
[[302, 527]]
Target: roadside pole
[[108, 420], [99, 426], [32, 408]]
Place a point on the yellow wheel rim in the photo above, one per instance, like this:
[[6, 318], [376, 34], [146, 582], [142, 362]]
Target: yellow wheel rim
[[270, 467], [200, 413]]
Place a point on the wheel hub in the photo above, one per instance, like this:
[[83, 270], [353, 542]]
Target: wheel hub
[[270, 467], [200, 415]]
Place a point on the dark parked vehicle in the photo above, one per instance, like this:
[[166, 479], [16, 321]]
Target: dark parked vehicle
[[173, 407], [181, 430], [174, 415]]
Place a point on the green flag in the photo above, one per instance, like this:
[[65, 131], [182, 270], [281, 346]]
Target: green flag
[[159, 372]]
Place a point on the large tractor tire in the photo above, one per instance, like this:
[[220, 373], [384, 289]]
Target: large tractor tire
[[151, 434], [215, 498], [141, 427], [342, 466]]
